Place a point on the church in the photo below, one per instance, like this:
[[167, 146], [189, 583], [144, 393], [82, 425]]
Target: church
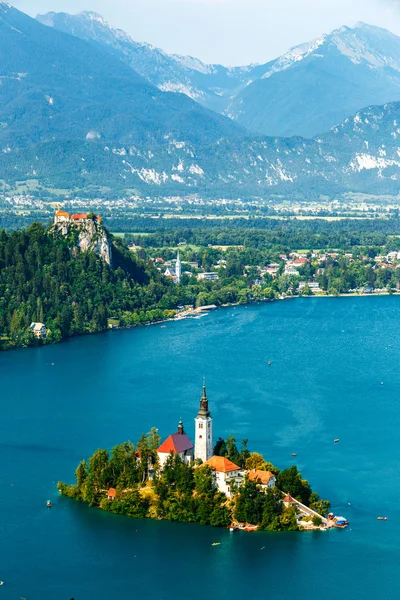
[[175, 273], [179, 443]]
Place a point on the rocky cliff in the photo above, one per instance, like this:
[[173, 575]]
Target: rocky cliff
[[86, 234]]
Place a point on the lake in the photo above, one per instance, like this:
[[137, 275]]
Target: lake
[[335, 373]]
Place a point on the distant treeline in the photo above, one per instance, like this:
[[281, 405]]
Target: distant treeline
[[264, 233]]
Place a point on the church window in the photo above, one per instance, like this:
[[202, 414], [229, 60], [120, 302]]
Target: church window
[[200, 425], [200, 437]]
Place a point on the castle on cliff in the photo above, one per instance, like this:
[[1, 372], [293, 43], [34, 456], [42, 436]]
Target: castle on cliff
[[61, 216]]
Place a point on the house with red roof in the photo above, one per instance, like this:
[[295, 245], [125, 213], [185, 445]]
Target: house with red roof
[[177, 443], [266, 479], [226, 473]]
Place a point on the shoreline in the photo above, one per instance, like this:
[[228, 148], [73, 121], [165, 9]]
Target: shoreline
[[198, 313]]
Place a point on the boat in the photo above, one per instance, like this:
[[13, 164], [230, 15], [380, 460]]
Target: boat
[[336, 441], [382, 518], [216, 544], [340, 522], [1, 582], [269, 363], [233, 528], [294, 454], [49, 504]]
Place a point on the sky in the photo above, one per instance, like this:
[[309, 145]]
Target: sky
[[230, 32]]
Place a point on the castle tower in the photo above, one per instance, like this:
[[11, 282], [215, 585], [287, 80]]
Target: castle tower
[[203, 445], [178, 268]]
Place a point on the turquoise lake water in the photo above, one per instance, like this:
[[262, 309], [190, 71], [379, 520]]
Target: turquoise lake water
[[335, 374]]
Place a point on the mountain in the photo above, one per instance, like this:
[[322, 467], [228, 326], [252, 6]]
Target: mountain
[[210, 85], [84, 121], [306, 91], [316, 85], [85, 94]]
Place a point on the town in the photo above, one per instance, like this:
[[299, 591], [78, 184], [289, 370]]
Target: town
[[298, 273]]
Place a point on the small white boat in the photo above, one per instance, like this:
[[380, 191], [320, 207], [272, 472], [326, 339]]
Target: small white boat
[[336, 441]]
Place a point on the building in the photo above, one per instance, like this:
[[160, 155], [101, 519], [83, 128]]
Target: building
[[175, 273], [79, 217], [289, 501], [111, 494], [61, 216], [313, 286], [290, 270], [178, 443], [208, 276], [225, 474], [203, 430], [178, 269], [266, 479], [39, 330]]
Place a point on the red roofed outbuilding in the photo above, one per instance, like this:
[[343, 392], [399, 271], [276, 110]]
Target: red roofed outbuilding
[[111, 494], [288, 500], [177, 443]]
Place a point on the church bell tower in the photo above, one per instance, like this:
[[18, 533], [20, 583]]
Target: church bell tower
[[203, 447]]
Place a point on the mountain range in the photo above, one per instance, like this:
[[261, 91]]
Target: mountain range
[[306, 91], [74, 116]]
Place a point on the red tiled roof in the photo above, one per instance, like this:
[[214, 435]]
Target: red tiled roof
[[176, 443], [112, 493], [62, 213], [79, 216], [221, 464], [288, 498], [263, 476]]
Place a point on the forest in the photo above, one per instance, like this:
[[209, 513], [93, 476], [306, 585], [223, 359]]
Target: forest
[[42, 279], [187, 492]]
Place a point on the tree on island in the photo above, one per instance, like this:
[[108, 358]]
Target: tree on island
[[228, 449], [291, 482]]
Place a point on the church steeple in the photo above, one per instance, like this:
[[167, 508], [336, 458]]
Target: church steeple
[[203, 429], [204, 412], [180, 428], [178, 268]]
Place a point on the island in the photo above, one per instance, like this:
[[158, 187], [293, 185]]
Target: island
[[218, 485]]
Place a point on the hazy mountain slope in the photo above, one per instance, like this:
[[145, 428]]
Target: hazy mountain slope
[[210, 85], [57, 87], [85, 121], [307, 90], [318, 84]]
